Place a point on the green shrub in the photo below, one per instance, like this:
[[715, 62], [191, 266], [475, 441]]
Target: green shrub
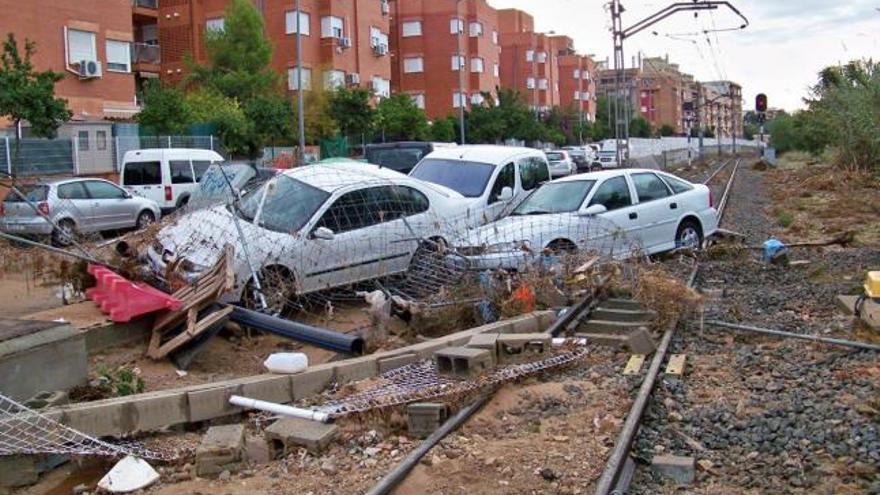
[[785, 219]]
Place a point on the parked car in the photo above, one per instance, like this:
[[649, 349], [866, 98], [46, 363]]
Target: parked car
[[491, 178], [401, 156], [610, 212], [580, 156], [167, 176], [561, 163], [76, 206], [608, 153], [312, 228], [214, 185]]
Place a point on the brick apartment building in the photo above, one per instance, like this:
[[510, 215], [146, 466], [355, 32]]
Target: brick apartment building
[[577, 79], [344, 42], [433, 42], [529, 60], [723, 107]]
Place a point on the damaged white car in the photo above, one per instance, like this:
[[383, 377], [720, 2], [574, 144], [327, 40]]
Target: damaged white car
[[612, 213], [312, 228]]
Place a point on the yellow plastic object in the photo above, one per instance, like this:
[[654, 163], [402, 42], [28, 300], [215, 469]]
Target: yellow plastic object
[[872, 285]]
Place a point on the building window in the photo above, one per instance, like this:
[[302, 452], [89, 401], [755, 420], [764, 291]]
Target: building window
[[82, 139], [305, 22], [458, 99], [80, 46], [477, 99], [542, 57], [101, 140], [412, 28], [476, 29], [378, 38], [542, 84], [495, 37], [217, 24], [419, 100], [458, 62], [118, 56], [331, 27], [413, 64], [497, 70], [456, 26], [530, 83], [334, 79], [477, 65], [577, 95], [577, 73], [530, 55], [292, 79], [381, 87]]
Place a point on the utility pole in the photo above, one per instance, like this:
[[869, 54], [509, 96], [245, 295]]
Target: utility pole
[[700, 117], [301, 155], [461, 67], [718, 132]]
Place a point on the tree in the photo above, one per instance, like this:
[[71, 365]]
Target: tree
[[273, 115], [639, 128], [351, 110], [233, 127], [27, 94], [667, 130], [164, 110], [319, 124], [399, 119], [443, 130]]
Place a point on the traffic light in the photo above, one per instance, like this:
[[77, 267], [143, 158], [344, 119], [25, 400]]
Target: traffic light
[[761, 103]]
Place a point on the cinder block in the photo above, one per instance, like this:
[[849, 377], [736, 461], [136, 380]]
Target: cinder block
[[312, 381], [462, 362], [159, 410], [640, 341], [352, 370], [288, 433], [212, 401], [487, 341], [679, 468], [392, 362], [520, 347], [271, 388], [609, 327], [623, 315], [423, 418], [222, 448]]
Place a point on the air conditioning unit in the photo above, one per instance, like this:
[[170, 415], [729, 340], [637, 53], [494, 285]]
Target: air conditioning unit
[[89, 69], [345, 42], [380, 49], [353, 79], [383, 4]]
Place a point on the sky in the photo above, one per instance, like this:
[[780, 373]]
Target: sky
[[785, 45]]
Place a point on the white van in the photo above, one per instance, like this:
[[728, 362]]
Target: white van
[[490, 177], [167, 176]]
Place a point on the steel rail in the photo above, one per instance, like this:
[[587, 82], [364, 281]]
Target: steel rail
[[719, 169], [865, 346]]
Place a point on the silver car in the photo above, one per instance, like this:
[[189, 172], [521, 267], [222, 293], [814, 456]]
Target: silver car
[[75, 206], [561, 163]]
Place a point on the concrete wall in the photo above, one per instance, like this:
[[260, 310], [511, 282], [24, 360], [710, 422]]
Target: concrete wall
[[48, 360]]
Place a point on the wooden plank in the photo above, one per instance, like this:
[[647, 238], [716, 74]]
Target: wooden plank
[[190, 333], [676, 364], [634, 365], [586, 266]]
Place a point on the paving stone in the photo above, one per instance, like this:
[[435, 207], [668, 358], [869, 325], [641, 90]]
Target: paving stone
[[288, 433], [678, 468], [522, 347], [462, 362]]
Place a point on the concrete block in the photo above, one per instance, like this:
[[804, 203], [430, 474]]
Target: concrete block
[[271, 388], [617, 303], [623, 315], [609, 327], [427, 349], [154, 411], [640, 341], [312, 381], [352, 370], [288, 433], [487, 341], [423, 418], [523, 324], [257, 450], [522, 347], [462, 362], [18, 470], [212, 401], [103, 418], [678, 468], [545, 319], [392, 362], [222, 448]]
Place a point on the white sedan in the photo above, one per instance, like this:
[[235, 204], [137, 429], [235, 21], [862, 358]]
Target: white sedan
[[614, 213], [312, 228]]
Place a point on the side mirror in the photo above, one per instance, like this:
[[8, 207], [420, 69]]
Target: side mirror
[[323, 233], [506, 194], [126, 194], [592, 211]]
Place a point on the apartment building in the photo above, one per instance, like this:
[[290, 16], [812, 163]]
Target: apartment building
[[344, 42], [723, 107], [577, 79], [529, 60], [445, 53]]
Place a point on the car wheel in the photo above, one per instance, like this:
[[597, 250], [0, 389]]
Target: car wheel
[[145, 219], [278, 289], [689, 235], [562, 246], [64, 234]]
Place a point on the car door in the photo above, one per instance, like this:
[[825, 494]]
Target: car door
[[657, 209], [183, 180], [74, 201], [111, 208], [617, 232], [144, 179], [495, 206]]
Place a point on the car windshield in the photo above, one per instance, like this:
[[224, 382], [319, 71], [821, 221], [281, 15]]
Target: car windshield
[[467, 178], [555, 197], [400, 159], [287, 204], [33, 194], [555, 157]]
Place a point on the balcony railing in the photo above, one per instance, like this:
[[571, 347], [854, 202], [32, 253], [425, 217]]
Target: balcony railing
[[147, 4], [143, 53]]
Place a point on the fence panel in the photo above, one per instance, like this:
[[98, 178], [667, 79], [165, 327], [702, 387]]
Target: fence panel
[[130, 143], [37, 156]]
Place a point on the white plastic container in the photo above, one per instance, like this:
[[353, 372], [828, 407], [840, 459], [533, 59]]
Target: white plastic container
[[286, 363]]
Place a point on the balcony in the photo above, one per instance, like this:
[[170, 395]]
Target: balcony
[[145, 57], [146, 4], [144, 11]]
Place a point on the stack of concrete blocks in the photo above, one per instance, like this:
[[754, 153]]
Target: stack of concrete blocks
[[423, 418], [222, 449], [287, 434], [621, 323]]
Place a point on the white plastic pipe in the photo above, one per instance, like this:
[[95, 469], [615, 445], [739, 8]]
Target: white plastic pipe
[[561, 341], [272, 407]]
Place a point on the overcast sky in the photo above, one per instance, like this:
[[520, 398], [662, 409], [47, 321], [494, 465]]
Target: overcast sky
[[785, 45]]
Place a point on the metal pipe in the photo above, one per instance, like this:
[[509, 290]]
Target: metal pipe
[[387, 484], [780, 333], [320, 337], [272, 407], [617, 460]]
